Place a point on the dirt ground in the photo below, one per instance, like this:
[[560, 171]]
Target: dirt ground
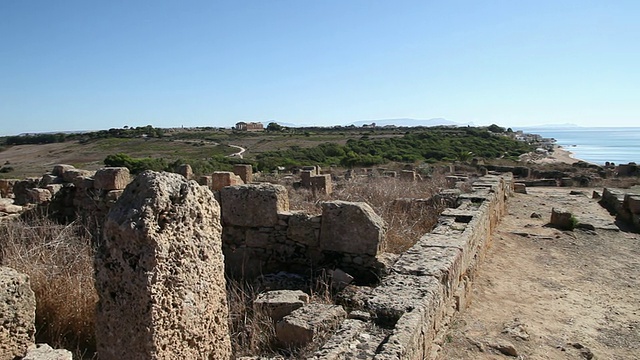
[[543, 293]]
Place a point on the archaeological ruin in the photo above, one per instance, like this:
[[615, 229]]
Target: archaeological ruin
[[165, 244]]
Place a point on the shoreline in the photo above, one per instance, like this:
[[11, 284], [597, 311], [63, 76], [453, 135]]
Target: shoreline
[[560, 155]]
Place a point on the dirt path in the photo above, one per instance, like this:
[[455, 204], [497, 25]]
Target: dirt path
[[547, 294]]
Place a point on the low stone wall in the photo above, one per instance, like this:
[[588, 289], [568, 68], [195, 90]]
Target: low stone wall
[[428, 283], [625, 205], [261, 235]]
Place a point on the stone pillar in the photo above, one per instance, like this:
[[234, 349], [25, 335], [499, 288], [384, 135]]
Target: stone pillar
[[160, 273], [17, 314], [245, 171]]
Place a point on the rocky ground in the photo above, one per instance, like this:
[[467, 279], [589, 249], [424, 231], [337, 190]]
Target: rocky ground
[[543, 293]]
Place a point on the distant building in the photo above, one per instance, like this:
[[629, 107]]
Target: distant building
[[252, 126], [372, 125]]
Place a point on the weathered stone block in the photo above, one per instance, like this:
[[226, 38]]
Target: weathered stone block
[[54, 188], [20, 190], [185, 170], [321, 184], [38, 196], [520, 188], [245, 171], [223, 179], [111, 178], [46, 352], [253, 205], [60, 169], [351, 227], [399, 294], [71, 175], [206, 181], [301, 228], [280, 303], [632, 203], [303, 325], [17, 314], [7, 206], [160, 273], [6, 187], [562, 219]]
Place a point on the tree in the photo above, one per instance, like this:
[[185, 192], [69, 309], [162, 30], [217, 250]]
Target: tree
[[496, 129], [274, 127]]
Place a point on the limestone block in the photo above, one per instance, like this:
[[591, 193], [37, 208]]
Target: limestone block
[[304, 324], [305, 178], [46, 352], [399, 294], [21, 196], [302, 229], [351, 227], [253, 205], [7, 206], [206, 181], [185, 170], [632, 203], [562, 219], [245, 171], [60, 169], [280, 303], [54, 188], [520, 188], [111, 178], [6, 187], [345, 343], [38, 195], [49, 179], [71, 175], [17, 314], [321, 184], [160, 273], [443, 263], [223, 179]]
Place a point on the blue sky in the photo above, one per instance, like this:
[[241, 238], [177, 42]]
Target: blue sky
[[79, 65]]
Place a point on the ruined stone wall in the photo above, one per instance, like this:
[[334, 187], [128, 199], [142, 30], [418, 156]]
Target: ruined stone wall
[[625, 205], [261, 235], [428, 283]]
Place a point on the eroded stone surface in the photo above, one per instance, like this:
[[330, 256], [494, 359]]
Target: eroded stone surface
[[111, 178], [160, 273], [304, 324], [351, 227], [280, 303], [253, 205], [46, 352], [17, 314]]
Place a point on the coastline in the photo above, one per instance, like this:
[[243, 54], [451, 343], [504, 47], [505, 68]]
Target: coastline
[[559, 156]]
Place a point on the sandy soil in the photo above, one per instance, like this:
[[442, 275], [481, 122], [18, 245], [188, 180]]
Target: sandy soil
[[547, 294]]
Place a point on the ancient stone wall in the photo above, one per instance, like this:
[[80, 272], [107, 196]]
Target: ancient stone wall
[[624, 204], [261, 235], [426, 285]]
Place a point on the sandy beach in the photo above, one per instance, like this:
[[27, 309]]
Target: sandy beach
[[560, 155]]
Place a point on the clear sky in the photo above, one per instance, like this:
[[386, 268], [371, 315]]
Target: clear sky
[[80, 65]]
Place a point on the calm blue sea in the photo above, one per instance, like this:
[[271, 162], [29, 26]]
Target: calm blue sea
[[597, 145]]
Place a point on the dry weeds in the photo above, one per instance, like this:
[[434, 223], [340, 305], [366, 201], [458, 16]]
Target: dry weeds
[[59, 262]]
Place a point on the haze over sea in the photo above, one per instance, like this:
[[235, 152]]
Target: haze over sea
[[619, 145]]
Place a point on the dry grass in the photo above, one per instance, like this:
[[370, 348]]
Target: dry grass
[[405, 224], [59, 262]]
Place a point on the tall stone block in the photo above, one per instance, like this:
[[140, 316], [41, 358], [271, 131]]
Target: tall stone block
[[17, 314], [253, 205], [351, 227], [245, 171], [160, 273]]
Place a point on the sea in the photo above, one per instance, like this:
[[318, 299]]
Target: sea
[[620, 145]]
